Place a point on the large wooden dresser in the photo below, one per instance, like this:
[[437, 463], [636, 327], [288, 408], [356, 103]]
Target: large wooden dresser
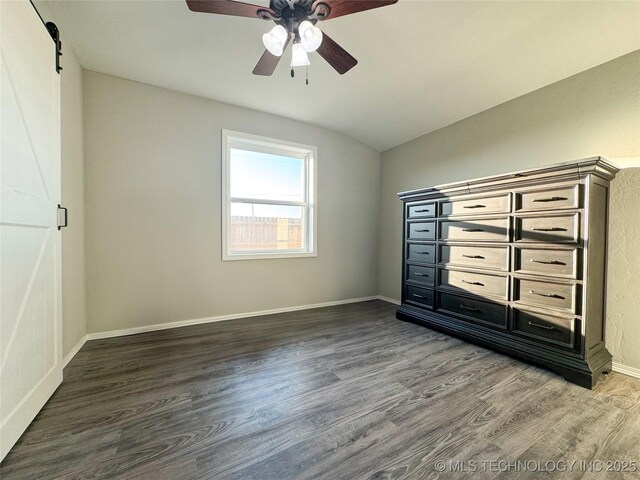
[[515, 262]]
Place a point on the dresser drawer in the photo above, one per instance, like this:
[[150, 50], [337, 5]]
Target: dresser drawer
[[494, 314], [417, 273], [422, 231], [556, 229], [477, 283], [546, 294], [421, 253], [560, 263], [496, 258], [420, 296], [549, 198], [477, 206], [488, 229], [423, 210], [551, 329]]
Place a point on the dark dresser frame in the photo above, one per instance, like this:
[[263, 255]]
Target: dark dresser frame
[[516, 263]]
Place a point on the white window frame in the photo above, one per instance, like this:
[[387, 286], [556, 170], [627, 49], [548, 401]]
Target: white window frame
[[309, 154]]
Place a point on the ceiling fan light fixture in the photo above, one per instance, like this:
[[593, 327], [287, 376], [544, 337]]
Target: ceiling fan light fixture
[[310, 36], [299, 57], [275, 40]]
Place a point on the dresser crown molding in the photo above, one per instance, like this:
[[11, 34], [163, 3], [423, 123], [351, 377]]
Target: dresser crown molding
[[515, 262], [597, 166]]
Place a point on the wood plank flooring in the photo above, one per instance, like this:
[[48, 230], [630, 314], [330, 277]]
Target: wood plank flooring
[[345, 392]]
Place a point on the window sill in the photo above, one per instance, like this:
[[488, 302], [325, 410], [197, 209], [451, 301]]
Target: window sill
[[266, 256]]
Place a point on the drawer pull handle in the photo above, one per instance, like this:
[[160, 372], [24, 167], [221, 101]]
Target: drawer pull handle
[[547, 262], [418, 296], [547, 295], [544, 327], [424, 210], [472, 230], [422, 230], [423, 253], [471, 309], [473, 256], [475, 206], [420, 274], [473, 283], [552, 229], [550, 199]]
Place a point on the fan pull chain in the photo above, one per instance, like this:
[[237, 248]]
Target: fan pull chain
[[306, 74], [292, 73]]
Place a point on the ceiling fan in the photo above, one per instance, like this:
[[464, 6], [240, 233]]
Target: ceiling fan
[[295, 20]]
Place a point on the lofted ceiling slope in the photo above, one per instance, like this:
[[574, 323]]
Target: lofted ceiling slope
[[422, 64]]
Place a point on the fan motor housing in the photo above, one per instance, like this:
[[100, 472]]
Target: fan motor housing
[[281, 7], [290, 13]]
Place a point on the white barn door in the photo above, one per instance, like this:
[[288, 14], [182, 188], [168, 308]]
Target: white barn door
[[30, 309]]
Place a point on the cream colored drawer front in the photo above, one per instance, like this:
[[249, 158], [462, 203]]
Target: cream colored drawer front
[[546, 294], [477, 206], [491, 230], [495, 258], [549, 199], [477, 283], [553, 229], [561, 263]]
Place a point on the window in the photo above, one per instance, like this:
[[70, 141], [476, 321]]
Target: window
[[268, 198]]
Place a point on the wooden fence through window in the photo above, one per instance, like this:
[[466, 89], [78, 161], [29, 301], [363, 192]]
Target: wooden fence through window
[[265, 233]]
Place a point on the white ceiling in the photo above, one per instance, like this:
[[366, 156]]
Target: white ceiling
[[422, 65]]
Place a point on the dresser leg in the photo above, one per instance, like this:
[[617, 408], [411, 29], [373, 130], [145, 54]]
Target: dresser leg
[[587, 379]]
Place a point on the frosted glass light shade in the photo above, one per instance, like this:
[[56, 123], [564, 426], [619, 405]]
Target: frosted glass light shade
[[275, 39], [310, 36], [299, 57]]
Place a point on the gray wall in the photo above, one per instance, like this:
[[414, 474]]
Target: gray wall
[[623, 293], [153, 227], [596, 112]]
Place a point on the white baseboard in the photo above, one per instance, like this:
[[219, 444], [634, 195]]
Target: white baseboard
[[220, 318], [631, 371], [387, 299], [616, 367], [74, 350]]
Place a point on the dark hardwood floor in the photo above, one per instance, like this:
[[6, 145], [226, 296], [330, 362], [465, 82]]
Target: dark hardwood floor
[[344, 392]]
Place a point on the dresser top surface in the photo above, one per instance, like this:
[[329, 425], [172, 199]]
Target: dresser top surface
[[578, 169]]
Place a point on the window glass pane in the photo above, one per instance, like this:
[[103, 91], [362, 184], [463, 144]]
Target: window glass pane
[[264, 176], [265, 227]]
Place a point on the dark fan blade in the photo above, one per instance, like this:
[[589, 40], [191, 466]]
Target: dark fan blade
[[268, 62], [340, 8], [337, 56], [226, 7]]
